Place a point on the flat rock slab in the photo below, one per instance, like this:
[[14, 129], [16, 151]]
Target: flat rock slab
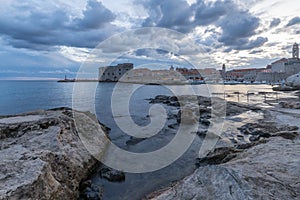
[[266, 171]]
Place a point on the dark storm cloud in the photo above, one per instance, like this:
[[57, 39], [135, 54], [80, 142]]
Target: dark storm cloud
[[275, 22], [293, 21], [168, 14], [180, 16], [95, 17], [208, 13], [237, 28], [251, 44], [237, 24], [246, 44], [45, 29]]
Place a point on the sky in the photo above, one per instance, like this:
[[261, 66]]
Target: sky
[[51, 39]]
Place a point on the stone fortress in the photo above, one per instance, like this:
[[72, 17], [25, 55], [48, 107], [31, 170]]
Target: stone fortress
[[114, 73]]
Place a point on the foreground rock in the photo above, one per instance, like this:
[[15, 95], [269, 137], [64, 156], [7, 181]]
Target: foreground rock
[[42, 156], [269, 170], [111, 175]]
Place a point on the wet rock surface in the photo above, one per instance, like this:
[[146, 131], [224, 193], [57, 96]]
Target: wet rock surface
[[42, 156], [205, 104], [290, 104]]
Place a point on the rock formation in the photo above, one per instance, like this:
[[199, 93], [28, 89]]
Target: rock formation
[[42, 156], [268, 170]]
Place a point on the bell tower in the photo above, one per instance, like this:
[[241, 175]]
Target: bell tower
[[295, 51]]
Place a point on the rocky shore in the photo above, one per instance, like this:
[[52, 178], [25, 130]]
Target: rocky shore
[[263, 167], [42, 156]]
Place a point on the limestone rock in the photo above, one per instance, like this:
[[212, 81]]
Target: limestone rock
[[290, 104], [112, 174], [268, 170], [42, 156]]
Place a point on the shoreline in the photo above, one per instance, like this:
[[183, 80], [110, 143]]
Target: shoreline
[[239, 162]]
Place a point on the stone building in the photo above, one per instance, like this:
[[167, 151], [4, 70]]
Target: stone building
[[289, 66], [271, 77], [114, 73], [281, 69], [279, 65], [190, 74], [147, 76], [243, 75]]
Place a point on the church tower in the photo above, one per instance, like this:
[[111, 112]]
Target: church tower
[[223, 71], [295, 51]]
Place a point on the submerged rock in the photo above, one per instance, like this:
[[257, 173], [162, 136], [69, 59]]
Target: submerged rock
[[92, 192], [42, 156], [290, 104], [112, 174], [134, 140]]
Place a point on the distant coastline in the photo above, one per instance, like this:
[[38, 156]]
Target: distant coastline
[[163, 82]]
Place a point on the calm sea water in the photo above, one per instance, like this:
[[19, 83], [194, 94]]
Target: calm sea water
[[24, 96]]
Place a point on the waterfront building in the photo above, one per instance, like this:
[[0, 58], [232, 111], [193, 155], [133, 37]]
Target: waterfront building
[[243, 75], [271, 77], [282, 68], [114, 73], [190, 74], [147, 76], [279, 65], [210, 75], [289, 66]]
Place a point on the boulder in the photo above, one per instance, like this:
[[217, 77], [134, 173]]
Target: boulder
[[112, 174], [187, 116], [290, 104], [42, 156]]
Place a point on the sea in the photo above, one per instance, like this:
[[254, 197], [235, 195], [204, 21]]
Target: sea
[[25, 96]]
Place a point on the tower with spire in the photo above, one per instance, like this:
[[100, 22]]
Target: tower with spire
[[295, 51]]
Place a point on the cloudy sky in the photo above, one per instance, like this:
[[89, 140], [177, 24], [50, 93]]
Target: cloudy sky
[[52, 38]]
